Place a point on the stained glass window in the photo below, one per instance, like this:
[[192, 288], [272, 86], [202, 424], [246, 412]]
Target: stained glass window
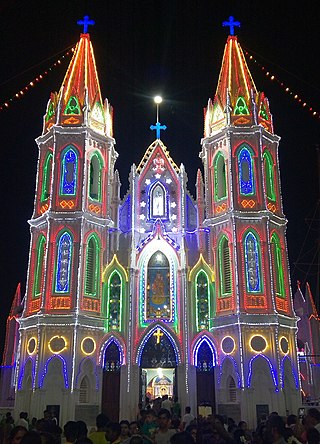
[[39, 266], [220, 180], [114, 301], [95, 178], [203, 302], [92, 275], [158, 301], [63, 264], [224, 266], [69, 172], [277, 266], [269, 175], [72, 106], [245, 164], [46, 178], [205, 359], [252, 263], [158, 201], [241, 107]]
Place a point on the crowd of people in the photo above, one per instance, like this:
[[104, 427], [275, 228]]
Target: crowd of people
[[164, 424]]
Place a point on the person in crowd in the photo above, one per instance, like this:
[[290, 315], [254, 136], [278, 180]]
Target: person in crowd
[[192, 430], [125, 431], [313, 436], [176, 407], [181, 438], [7, 427], [166, 403], [99, 436], [313, 419], [164, 432], [82, 430], [157, 404], [22, 421], [275, 430], [113, 432], [134, 428], [136, 439], [149, 426], [187, 418], [16, 435], [31, 437], [33, 424], [70, 431]]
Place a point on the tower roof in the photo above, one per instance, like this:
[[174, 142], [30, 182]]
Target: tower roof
[[79, 100], [235, 78], [82, 77]]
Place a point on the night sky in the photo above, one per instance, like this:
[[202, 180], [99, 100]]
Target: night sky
[[144, 48]]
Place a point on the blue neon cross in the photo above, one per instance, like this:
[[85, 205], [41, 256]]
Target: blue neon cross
[[85, 22], [231, 23], [158, 127]]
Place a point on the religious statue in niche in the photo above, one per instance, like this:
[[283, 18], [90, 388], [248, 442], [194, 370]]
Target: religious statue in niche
[[158, 303], [158, 201]]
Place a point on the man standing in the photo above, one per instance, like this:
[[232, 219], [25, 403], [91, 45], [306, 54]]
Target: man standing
[[164, 432]]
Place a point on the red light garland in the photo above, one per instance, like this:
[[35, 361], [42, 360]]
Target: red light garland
[[34, 82], [294, 95]]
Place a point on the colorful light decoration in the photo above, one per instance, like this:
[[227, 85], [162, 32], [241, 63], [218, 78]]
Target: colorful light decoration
[[295, 96], [57, 344], [35, 81], [32, 345], [88, 346]]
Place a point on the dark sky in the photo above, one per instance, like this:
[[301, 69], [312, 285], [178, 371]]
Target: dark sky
[[143, 48]]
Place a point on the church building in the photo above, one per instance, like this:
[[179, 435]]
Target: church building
[[153, 291]]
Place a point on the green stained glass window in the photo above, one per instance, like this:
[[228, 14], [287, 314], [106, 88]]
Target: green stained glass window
[[220, 179], [92, 274], [46, 178], [277, 266], [241, 107], [39, 267], [224, 262], [263, 112], [114, 301], [72, 106], [269, 176], [50, 111], [202, 300]]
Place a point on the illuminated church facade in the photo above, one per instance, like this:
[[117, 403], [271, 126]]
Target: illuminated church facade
[[156, 292]]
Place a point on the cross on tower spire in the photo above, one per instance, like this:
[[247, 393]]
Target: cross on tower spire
[[85, 22], [158, 127], [231, 23]]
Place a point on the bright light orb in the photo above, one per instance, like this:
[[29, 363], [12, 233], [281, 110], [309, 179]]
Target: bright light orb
[[157, 99]]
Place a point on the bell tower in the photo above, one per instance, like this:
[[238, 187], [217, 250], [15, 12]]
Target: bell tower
[[64, 313], [255, 323]]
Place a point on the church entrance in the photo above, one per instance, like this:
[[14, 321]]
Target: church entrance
[[157, 370], [111, 383], [205, 363]]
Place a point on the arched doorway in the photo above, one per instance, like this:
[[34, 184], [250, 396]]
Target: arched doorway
[[158, 363], [111, 382], [205, 363]]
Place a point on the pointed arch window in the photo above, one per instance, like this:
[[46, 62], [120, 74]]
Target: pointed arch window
[[277, 265], [92, 275], [202, 300], [39, 267], [72, 106], [158, 201], [232, 389], [263, 112], [114, 301], [51, 111], [46, 178], [252, 257], [220, 178], [158, 300], [63, 263], [95, 177], [84, 391], [269, 175], [69, 169], [241, 107], [225, 267], [246, 178]]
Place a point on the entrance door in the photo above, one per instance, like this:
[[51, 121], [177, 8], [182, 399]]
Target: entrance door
[[111, 383], [158, 368], [205, 379]]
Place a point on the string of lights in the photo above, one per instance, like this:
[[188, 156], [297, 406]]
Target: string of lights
[[296, 97], [19, 94]]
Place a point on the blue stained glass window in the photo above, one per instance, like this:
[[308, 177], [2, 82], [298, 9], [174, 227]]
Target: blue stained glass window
[[246, 181], [252, 263], [63, 264], [69, 173]]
